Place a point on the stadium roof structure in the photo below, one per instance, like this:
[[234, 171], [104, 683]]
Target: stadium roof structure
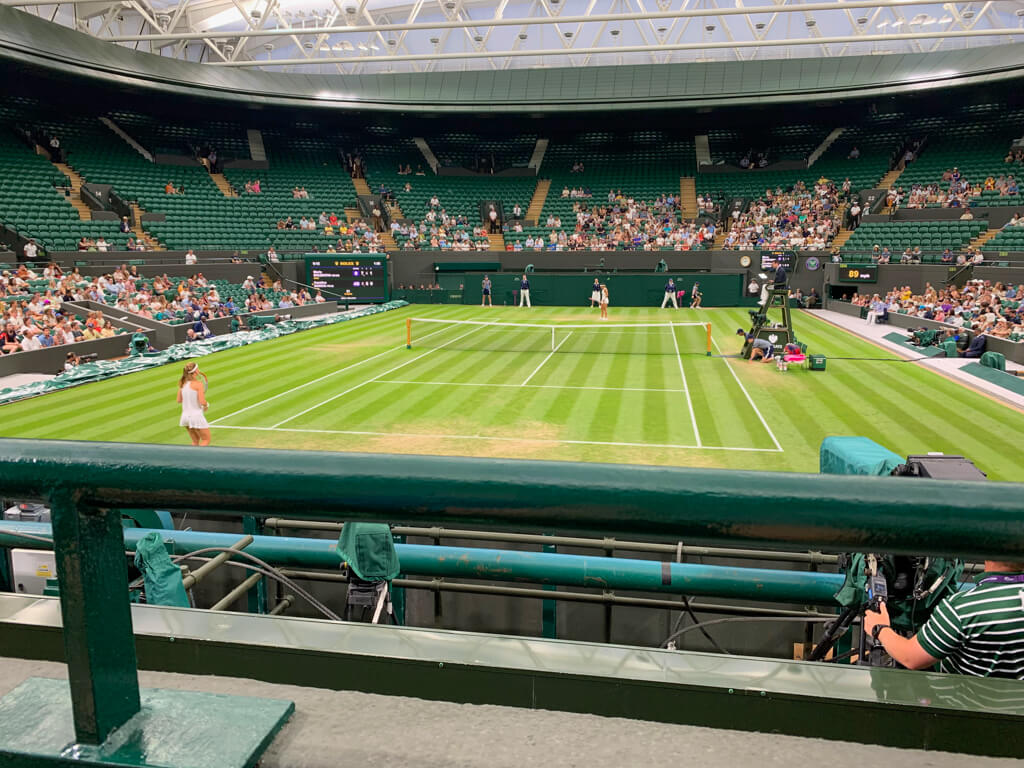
[[164, 54], [360, 37]]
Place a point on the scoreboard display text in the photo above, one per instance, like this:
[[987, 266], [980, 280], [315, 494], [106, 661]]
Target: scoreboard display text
[[786, 258], [858, 273], [341, 277]]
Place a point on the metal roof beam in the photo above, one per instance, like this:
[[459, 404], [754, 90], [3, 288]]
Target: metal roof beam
[[654, 48], [511, 22]]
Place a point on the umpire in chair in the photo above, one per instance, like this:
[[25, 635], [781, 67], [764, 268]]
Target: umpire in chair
[[368, 556]]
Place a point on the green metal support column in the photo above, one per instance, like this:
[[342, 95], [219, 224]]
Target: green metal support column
[[398, 593], [5, 571], [257, 598], [98, 640], [549, 608]]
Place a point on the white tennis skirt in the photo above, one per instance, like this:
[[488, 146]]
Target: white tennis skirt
[[194, 420]]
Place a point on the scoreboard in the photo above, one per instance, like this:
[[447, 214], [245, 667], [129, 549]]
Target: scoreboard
[[858, 273], [786, 258], [354, 277]]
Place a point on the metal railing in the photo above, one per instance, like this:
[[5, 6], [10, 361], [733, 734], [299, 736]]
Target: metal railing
[[84, 483]]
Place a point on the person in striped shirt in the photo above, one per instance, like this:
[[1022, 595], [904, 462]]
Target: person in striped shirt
[[978, 632]]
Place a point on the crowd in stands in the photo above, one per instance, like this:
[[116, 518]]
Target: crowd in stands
[[621, 223], [440, 230], [801, 218], [954, 191], [353, 237], [981, 306], [34, 316]]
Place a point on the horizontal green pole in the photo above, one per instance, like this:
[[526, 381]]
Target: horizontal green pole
[[696, 506], [610, 573]]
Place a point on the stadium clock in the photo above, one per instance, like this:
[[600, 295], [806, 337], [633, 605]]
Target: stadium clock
[[349, 277], [858, 273], [744, 261]]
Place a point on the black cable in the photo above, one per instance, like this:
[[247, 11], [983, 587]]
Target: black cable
[[697, 624], [692, 627]]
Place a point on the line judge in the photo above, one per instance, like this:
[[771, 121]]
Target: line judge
[[524, 292]]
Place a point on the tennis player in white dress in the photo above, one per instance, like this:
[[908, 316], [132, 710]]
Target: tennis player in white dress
[[192, 396]]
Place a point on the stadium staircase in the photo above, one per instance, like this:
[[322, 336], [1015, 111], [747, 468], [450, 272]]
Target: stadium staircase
[[537, 158], [890, 178], [257, 150], [823, 147], [540, 194], [983, 238], [223, 185], [140, 234], [84, 211], [362, 188], [427, 152], [496, 242], [131, 142], [702, 150], [688, 197], [840, 239]]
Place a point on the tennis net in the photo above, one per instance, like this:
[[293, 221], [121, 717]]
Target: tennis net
[[594, 338]]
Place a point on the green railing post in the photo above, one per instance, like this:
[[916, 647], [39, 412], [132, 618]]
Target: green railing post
[[257, 598], [549, 608], [398, 593], [98, 641]]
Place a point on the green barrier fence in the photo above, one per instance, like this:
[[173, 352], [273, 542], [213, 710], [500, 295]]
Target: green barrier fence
[[85, 487]]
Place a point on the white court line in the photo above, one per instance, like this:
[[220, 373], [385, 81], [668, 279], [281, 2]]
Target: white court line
[[314, 381], [747, 395], [369, 381], [503, 439], [546, 359], [528, 386], [689, 403]]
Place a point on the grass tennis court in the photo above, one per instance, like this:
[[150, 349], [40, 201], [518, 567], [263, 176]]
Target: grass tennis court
[[607, 393]]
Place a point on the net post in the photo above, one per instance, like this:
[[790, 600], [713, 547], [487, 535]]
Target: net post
[[408, 333], [708, 327]]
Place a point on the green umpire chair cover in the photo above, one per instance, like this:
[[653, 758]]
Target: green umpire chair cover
[[162, 577], [369, 550], [993, 360]]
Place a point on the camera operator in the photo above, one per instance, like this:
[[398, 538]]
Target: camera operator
[[979, 632], [71, 361]]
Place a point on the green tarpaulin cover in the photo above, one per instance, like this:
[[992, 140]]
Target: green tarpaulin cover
[[369, 550], [163, 577], [856, 456]]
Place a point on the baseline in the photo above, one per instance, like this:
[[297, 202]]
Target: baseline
[[497, 438]]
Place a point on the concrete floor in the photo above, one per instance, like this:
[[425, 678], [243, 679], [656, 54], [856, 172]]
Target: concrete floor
[[332, 728]]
